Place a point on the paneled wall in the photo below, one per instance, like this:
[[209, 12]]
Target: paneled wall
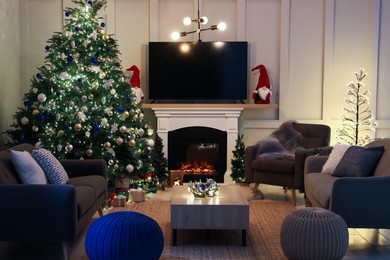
[[311, 49]]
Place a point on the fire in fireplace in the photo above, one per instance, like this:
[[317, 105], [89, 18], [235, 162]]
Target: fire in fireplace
[[199, 152]]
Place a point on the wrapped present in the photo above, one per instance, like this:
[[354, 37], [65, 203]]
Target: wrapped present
[[138, 195], [119, 201]]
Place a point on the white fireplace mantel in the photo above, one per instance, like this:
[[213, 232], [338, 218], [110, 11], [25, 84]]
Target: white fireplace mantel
[[224, 119]]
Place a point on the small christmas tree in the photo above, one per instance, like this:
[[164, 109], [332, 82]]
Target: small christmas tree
[[238, 161], [159, 162], [79, 105], [357, 122]]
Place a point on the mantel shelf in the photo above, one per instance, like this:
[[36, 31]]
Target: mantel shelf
[[243, 106]]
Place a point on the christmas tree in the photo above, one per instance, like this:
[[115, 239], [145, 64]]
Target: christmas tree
[[238, 168], [159, 162], [357, 120], [79, 105]]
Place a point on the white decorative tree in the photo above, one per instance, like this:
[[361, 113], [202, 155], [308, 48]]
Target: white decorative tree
[[358, 127]]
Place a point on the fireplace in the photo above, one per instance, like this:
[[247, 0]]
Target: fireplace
[[171, 117], [198, 152]]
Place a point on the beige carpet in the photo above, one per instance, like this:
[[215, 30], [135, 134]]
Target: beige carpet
[[266, 217]]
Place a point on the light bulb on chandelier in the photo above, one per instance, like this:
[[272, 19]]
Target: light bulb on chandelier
[[199, 21]]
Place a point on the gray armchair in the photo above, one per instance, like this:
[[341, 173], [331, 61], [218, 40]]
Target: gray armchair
[[286, 172], [34, 212]]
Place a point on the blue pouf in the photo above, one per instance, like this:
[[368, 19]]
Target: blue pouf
[[124, 235]]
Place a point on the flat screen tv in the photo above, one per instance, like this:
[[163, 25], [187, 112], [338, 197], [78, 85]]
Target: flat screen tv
[[196, 72]]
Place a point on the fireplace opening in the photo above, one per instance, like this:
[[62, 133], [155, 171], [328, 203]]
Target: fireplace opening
[[200, 153]]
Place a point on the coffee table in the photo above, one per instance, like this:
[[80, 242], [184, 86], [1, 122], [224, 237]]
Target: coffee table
[[228, 210]]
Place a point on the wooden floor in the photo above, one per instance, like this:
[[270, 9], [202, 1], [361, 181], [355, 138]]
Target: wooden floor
[[363, 243]]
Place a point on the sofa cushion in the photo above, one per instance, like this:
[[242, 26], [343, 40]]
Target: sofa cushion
[[318, 188], [27, 168], [96, 182], [53, 169], [334, 158], [274, 165], [358, 161]]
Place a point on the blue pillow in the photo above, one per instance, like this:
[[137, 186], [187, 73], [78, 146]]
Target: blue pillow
[[358, 161], [53, 169]]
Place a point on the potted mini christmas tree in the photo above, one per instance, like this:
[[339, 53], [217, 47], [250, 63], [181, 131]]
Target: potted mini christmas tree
[[238, 161]]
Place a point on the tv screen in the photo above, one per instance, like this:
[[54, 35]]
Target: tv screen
[[198, 72]]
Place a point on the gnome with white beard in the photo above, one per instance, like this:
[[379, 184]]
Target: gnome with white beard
[[136, 83], [263, 93]]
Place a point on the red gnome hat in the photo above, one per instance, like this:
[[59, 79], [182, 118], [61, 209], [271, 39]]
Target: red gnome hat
[[135, 78], [263, 77]]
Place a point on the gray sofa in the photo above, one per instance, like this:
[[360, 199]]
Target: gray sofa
[[50, 212], [363, 202]]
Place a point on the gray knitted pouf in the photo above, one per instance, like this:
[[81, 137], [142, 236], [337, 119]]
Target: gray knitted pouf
[[314, 233]]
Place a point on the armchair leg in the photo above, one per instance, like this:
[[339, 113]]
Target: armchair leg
[[255, 187], [100, 210], [294, 198]]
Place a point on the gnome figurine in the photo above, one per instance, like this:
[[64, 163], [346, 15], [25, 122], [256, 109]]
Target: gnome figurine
[[136, 83], [263, 93]]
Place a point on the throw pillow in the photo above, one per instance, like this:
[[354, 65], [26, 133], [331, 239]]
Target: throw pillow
[[334, 158], [358, 161], [27, 168], [53, 169]]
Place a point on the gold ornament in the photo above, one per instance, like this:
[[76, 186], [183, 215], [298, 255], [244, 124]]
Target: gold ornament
[[100, 58], [60, 133], [95, 84], [35, 128], [120, 66], [89, 152], [90, 96], [106, 37], [116, 166], [110, 113], [77, 127], [35, 112], [88, 68], [132, 143], [126, 114], [107, 145], [49, 130], [74, 15]]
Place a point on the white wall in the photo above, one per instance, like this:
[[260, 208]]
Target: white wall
[[311, 49]]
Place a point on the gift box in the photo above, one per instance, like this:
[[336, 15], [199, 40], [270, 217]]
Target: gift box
[[138, 195], [119, 201]]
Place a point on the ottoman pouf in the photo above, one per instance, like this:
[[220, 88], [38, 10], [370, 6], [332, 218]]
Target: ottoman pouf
[[124, 235], [314, 233]]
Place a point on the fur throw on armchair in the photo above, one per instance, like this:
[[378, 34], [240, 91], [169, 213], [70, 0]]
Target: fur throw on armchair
[[281, 143]]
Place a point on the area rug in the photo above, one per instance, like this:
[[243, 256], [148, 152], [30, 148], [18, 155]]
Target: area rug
[[263, 240]]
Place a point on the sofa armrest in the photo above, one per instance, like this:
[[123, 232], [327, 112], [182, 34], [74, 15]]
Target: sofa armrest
[[38, 212], [315, 163], [300, 158], [249, 156], [362, 201], [77, 168]]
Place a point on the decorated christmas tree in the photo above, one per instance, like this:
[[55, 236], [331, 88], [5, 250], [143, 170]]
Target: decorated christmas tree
[[238, 161], [80, 105], [358, 127]]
